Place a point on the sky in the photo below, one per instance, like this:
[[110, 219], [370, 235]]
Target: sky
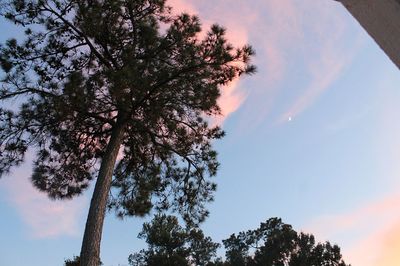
[[313, 138]]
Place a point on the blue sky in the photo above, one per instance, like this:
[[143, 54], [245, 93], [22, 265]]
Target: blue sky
[[313, 138]]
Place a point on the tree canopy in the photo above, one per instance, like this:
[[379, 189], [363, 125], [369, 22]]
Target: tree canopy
[[170, 244], [274, 243], [101, 79]]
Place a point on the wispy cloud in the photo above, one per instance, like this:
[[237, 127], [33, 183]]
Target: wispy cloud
[[288, 37], [274, 32], [348, 120], [302, 48], [329, 47], [43, 217]]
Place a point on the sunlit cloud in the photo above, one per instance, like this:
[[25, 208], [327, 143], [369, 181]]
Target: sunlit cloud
[[232, 96], [230, 100], [372, 229], [300, 54], [287, 37], [390, 255], [276, 29], [380, 248], [372, 232], [44, 218], [180, 6]]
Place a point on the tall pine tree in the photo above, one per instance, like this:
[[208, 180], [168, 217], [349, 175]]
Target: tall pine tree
[[118, 90]]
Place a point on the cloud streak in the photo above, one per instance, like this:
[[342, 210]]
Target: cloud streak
[[301, 52], [288, 37], [325, 54]]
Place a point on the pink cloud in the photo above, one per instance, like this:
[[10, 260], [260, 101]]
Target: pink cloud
[[275, 28], [223, 13], [180, 6], [283, 32], [230, 100], [381, 208], [295, 45], [43, 217]]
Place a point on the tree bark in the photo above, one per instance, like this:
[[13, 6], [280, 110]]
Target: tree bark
[[90, 251]]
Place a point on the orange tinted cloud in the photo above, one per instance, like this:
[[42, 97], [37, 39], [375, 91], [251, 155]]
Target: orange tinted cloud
[[370, 232], [390, 251], [379, 248], [373, 232]]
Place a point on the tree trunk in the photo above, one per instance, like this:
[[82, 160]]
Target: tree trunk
[[90, 251]]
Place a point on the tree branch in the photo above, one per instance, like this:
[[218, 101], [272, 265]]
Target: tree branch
[[81, 34]]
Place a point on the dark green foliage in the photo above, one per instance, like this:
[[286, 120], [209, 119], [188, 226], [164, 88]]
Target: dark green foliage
[[272, 244], [87, 67], [171, 245]]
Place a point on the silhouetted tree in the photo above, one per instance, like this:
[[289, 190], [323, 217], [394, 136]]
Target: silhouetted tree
[[276, 244], [102, 78], [171, 245], [272, 244]]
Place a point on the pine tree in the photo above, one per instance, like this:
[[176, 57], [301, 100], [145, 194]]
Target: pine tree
[[118, 90], [274, 243], [169, 244]]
